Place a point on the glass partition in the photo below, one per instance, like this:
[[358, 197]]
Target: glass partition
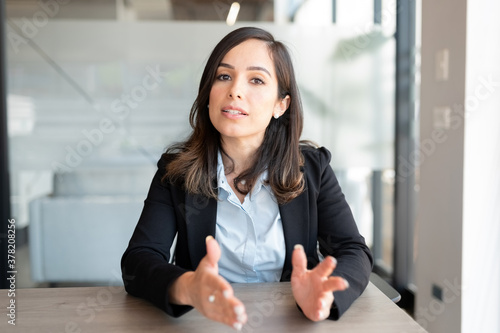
[[93, 103]]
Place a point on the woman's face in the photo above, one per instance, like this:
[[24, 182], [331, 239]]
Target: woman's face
[[244, 95]]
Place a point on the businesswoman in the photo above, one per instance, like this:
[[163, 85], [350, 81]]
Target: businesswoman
[[246, 199]]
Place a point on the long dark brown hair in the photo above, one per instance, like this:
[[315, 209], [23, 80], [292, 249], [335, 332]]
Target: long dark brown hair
[[195, 162]]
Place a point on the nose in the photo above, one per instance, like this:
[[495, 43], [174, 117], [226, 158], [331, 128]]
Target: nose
[[236, 90]]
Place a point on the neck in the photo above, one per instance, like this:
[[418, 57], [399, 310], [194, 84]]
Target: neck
[[242, 154]]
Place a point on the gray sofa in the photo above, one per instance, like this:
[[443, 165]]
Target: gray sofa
[[78, 234]]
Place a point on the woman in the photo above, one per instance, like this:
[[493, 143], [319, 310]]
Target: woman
[[244, 178]]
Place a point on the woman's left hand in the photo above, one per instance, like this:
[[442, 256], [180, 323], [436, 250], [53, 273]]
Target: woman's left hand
[[313, 289]]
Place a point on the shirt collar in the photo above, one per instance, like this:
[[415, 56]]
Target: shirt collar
[[222, 180]]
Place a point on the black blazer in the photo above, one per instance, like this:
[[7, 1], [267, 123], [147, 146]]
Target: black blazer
[[319, 218]]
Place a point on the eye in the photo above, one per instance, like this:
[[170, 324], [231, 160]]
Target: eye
[[257, 81], [223, 77]]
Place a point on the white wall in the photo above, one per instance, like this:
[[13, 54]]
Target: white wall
[[439, 216], [481, 224], [457, 231]]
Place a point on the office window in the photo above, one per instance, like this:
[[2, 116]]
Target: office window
[[98, 89]]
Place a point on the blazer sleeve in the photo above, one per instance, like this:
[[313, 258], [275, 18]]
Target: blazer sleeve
[[146, 270], [338, 234]]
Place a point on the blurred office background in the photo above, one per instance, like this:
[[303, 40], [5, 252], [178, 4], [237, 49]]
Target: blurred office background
[[96, 90]]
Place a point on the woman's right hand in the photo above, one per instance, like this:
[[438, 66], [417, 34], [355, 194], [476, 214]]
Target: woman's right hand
[[208, 292]]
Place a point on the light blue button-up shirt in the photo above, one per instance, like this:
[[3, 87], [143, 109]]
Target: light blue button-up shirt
[[250, 234]]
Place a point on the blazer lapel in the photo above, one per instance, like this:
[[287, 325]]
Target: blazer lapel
[[295, 220], [201, 214]]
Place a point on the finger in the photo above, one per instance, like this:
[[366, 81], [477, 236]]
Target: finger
[[335, 283], [222, 291], [321, 314], [326, 267], [323, 307], [213, 251], [241, 313], [326, 301], [208, 286], [219, 295], [218, 287], [234, 317], [228, 311], [238, 314], [215, 292], [299, 260]]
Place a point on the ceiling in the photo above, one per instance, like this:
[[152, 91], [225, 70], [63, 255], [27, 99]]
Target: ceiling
[[211, 10]]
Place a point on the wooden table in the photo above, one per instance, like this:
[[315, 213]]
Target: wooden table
[[270, 308]]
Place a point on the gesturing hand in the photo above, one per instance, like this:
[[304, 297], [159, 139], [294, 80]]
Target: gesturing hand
[[313, 289], [208, 292]]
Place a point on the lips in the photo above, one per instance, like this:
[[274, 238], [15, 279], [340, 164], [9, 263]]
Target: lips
[[233, 110]]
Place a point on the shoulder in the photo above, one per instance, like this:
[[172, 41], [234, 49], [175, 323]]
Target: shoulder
[[165, 159], [316, 166], [315, 157]]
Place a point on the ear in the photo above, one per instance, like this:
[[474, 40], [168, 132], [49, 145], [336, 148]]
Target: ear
[[283, 105]]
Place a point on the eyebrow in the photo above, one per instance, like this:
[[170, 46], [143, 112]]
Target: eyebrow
[[249, 68]]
